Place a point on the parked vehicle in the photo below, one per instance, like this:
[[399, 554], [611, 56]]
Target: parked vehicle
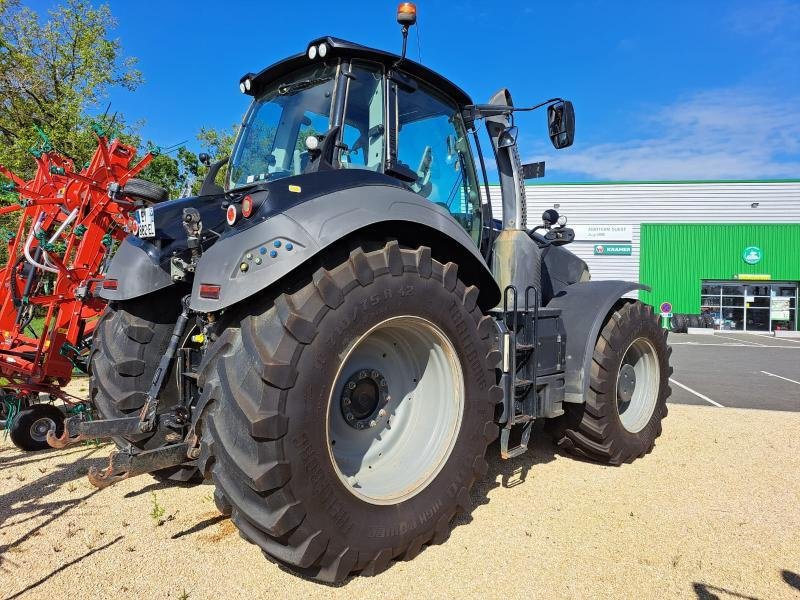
[[356, 331]]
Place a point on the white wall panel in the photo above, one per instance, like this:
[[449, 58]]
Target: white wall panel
[[637, 203]]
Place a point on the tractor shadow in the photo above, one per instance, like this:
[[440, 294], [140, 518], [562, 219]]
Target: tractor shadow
[[512, 472], [28, 501]]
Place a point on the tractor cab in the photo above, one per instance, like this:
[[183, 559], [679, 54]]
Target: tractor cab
[[342, 106]]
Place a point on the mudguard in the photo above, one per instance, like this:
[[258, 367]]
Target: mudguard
[[584, 308], [136, 270], [256, 257]]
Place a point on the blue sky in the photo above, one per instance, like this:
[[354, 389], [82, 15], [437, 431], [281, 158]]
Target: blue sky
[[662, 90]]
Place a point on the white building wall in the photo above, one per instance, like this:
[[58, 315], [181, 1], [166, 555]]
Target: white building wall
[[636, 203]]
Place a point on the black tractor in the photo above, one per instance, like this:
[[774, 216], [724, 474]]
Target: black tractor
[[337, 334]]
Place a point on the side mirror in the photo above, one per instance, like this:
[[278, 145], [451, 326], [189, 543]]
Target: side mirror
[[507, 138], [550, 217], [561, 124], [204, 158]]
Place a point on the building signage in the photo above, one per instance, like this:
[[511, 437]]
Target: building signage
[[603, 233], [752, 255], [612, 249], [753, 276], [779, 308]]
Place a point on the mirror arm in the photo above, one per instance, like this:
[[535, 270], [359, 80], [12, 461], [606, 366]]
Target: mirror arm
[[473, 112]]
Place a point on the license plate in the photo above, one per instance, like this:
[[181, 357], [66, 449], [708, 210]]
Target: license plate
[[146, 223]]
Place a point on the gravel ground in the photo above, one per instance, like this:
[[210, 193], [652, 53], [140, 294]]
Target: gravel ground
[[713, 512]]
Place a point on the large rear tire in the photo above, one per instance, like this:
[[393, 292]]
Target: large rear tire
[[128, 344], [628, 390], [321, 453]]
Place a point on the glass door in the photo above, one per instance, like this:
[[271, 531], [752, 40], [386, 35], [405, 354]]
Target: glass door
[[750, 306], [783, 306], [756, 305]]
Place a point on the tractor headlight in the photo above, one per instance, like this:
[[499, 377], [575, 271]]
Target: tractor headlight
[[312, 52], [323, 50], [241, 87], [248, 84]]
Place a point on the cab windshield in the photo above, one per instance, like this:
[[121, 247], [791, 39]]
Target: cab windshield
[[271, 143]]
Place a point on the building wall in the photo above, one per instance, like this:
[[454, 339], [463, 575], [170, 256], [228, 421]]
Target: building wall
[[657, 202], [677, 257]]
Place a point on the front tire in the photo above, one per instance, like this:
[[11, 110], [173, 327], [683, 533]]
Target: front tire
[[628, 390], [301, 456]]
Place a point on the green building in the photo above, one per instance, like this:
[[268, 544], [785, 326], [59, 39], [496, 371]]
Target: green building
[[727, 248]]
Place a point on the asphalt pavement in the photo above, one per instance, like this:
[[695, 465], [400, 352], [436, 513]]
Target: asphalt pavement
[[736, 370]]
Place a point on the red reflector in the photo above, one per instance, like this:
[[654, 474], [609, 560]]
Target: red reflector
[[209, 291], [110, 284], [247, 206], [231, 214]]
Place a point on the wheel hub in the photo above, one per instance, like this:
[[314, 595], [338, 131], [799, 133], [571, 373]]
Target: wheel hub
[[364, 397], [40, 427], [627, 384]]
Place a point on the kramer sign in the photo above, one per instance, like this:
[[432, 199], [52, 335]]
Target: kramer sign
[[612, 249]]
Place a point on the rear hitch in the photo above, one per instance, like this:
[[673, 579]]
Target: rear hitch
[[79, 428], [124, 465]]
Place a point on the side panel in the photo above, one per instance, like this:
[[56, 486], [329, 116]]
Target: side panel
[[584, 307], [245, 263]]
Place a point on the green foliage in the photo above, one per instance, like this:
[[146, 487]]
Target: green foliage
[[166, 172], [183, 174], [53, 73], [157, 512], [218, 144]]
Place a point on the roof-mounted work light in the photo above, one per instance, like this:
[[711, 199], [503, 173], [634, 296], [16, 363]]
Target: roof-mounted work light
[[246, 83], [317, 50]]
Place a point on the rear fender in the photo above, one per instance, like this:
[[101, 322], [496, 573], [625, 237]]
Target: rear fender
[[584, 310], [258, 257], [136, 271]]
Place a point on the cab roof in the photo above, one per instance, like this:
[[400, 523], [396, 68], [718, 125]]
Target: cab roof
[[338, 48]]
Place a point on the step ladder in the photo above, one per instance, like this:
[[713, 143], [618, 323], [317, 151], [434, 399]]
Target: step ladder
[[518, 331]]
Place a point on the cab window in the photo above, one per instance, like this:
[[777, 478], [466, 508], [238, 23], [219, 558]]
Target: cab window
[[432, 142], [362, 133]]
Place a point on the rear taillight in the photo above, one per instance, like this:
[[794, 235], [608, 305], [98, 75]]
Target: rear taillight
[[109, 284], [232, 214], [247, 206], [210, 291]]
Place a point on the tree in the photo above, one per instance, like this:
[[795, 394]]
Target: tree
[[53, 74], [218, 144]]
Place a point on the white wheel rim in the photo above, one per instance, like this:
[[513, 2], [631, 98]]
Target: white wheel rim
[[637, 385], [409, 436]]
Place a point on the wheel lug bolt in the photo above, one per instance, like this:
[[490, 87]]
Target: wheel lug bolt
[[381, 413], [351, 385], [346, 401], [363, 374], [372, 423], [349, 417], [375, 374]]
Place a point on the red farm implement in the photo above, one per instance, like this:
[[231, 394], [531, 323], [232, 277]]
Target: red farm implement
[[68, 223]]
